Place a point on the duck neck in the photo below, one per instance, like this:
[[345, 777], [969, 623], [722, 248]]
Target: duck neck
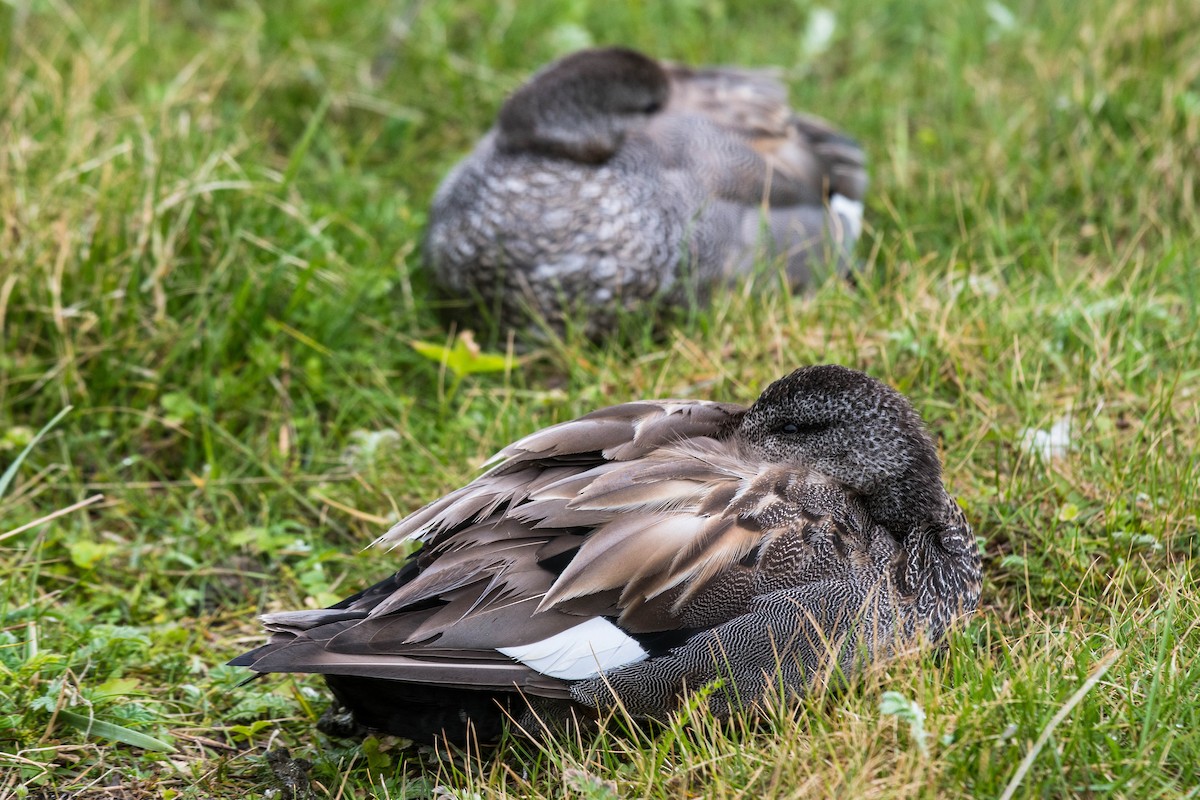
[[940, 569], [907, 505]]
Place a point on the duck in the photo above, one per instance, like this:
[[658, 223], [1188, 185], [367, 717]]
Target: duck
[[612, 180], [649, 549]]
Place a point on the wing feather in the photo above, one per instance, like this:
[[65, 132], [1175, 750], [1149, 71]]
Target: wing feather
[[619, 552], [484, 673], [758, 149], [561, 455]]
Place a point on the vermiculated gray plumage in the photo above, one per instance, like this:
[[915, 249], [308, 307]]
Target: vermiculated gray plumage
[[651, 547], [611, 179]]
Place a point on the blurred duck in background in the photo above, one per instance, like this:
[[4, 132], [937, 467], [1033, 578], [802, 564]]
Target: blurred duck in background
[[611, 180]]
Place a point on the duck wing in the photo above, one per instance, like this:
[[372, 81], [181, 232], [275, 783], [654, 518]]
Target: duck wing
[[756, 148], [491, 551], [773, 177]]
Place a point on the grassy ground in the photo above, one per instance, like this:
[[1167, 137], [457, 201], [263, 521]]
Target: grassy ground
[[209, 217]]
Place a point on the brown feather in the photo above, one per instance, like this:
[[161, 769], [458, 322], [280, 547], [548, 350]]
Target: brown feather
[[619, 552], [786, 159], [314, 657], [630, 495]]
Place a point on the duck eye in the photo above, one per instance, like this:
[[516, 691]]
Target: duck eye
[[653, 107], [795, 428]]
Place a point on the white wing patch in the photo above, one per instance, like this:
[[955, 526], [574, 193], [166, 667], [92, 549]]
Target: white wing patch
[[583, 651], [851, 212]]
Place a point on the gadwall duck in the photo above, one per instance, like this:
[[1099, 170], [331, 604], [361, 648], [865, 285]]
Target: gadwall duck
[[611, 179], [650, 547]]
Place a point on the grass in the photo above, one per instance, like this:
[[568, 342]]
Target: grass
[[209, 226]]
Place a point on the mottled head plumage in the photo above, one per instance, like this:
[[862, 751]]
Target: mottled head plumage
[[582, 106], [854, 429]]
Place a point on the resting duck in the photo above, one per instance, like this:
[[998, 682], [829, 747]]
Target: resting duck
[[610, 179], [647, 548]]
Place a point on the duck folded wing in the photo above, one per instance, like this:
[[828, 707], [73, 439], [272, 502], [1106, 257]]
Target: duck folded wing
[[753, 102], [844, 160], [467, 602], [758, 151], [567, 450]]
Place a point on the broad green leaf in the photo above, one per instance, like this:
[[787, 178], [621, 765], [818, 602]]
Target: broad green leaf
[[465, 357], [248, 732], [1068, 513], [117, 687], [86, 554]]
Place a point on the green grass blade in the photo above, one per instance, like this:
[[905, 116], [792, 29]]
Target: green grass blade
[[301, 150], [11, 472], [91, 726]]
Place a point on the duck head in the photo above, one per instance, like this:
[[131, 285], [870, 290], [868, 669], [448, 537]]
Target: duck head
[[582, 106], [855, 430]]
